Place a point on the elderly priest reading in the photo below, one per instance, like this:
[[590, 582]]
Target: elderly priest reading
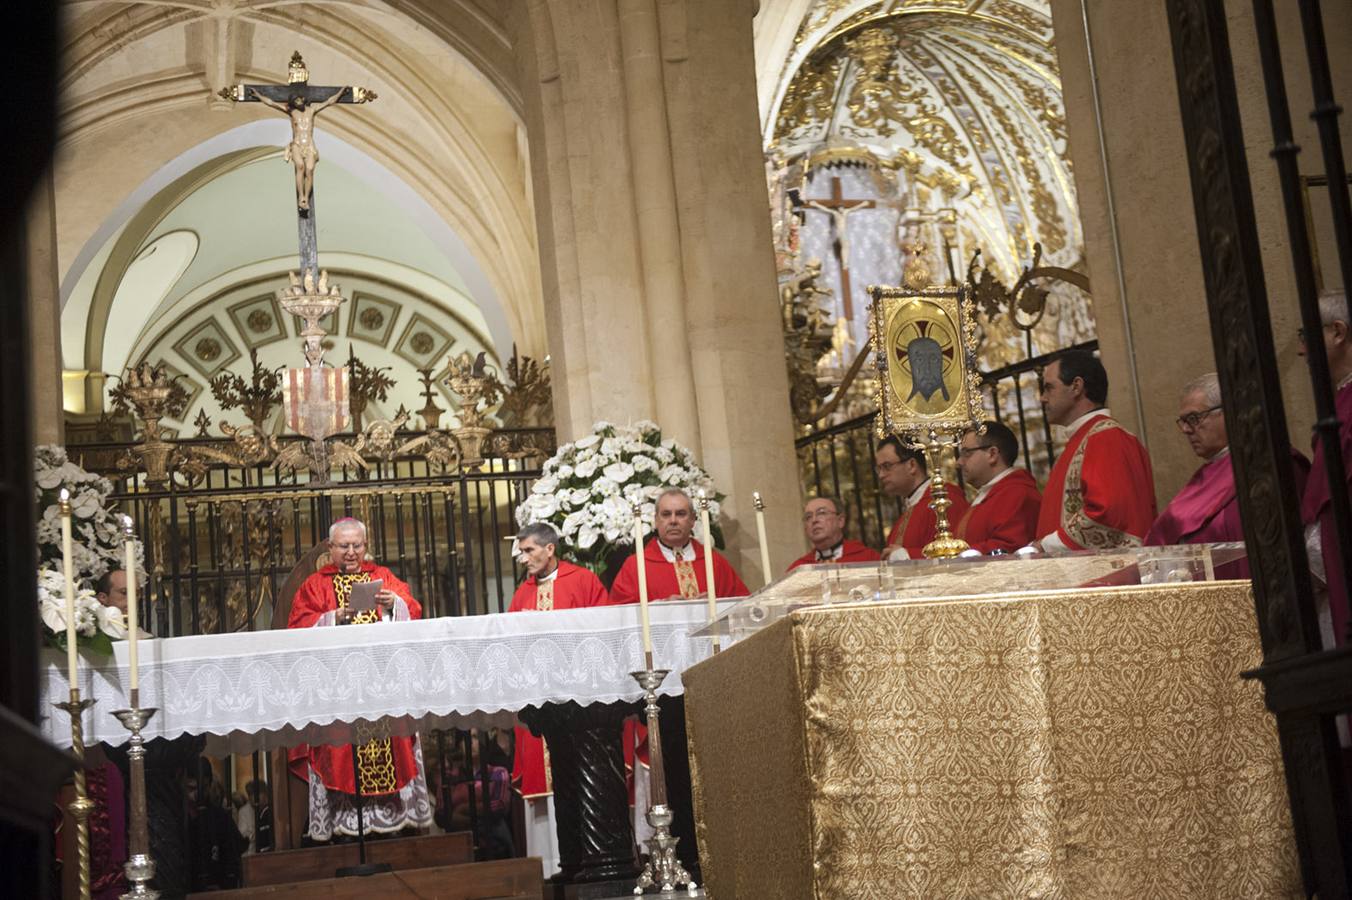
[[394, 790]]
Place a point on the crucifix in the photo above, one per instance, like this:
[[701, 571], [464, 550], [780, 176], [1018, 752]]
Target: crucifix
[[839, 209], [300, 101]]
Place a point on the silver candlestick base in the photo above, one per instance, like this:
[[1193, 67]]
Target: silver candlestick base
[[662, 870], [140, 868]]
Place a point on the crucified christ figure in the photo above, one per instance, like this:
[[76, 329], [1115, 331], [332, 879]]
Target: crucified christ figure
[[301, 152]]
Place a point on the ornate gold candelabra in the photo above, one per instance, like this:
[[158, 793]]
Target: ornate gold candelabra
[[311, 301], [924, 344], [81, 806], [662, 869], [140, 868], [154, 394], [473, 383]]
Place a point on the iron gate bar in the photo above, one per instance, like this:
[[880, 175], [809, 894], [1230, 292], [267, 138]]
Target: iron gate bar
[[1260, 448], [1284, 152]]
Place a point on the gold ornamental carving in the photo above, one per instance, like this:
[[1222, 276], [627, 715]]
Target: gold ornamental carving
[[924, 343]]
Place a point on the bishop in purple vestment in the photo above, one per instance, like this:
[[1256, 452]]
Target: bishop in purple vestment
[[1206, 510]]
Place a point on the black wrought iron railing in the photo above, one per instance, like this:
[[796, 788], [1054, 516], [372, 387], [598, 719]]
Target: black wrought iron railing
[[221, 547]]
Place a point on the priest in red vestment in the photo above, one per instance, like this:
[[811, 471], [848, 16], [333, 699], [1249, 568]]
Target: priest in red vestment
[[902, 473], [1100, 494], [1003, 514], [674, 564], [824, 523], [1316, 509], [674, 560], [394, 789], [550, 584]]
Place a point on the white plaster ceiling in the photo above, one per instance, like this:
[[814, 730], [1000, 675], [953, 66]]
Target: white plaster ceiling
[[430, 179]]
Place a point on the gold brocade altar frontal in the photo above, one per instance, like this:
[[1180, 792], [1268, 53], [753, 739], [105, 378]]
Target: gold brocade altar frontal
[[1072, 744]]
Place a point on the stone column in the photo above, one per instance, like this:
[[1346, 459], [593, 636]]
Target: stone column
[[44, 317], [1131, 174], [655, 246]]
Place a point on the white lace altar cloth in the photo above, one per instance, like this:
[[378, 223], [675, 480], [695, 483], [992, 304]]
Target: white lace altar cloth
[[258, 690]]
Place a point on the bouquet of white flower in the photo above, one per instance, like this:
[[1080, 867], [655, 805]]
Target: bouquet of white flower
[[97, 549], [591, 489]]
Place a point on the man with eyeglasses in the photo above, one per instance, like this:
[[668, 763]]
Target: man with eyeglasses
[[394, 789], [824, 524], [1003, 515], [1100, 493], [1316, 511], [1206, 510], [902, 473]]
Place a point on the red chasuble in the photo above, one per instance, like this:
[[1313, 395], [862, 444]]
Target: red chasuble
[[383, 773], [1006, 519], [1100, 494], [850, 551], [1317, 508], [571, 588], [915, 527], [663, 580]]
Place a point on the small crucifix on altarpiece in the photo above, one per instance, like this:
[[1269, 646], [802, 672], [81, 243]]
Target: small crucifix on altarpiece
[[300, 101], [839, 209]]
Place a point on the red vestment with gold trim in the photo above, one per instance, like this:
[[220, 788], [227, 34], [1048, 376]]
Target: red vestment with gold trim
[[571, 588], [333, 763], [1100, 493]]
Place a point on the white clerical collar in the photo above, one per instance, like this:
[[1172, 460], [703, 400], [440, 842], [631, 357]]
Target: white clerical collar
[[918, 494], [829, 555], [541, 579], [1346, 380], [986, 488], [1075, 426], [1220, 454], [687, 552]]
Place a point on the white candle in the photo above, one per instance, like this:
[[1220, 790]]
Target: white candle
[[708, 560], [129, 549], [760, 534], [68, 567], [643, 592]]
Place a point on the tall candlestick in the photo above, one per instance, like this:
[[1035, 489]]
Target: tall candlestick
[[68, 568], [129, 567], [708, 560], [760, 534], [643, 592]]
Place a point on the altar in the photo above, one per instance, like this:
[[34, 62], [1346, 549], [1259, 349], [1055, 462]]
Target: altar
[[1094, 742]]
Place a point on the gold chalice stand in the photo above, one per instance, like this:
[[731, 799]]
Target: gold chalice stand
[[924, 344]]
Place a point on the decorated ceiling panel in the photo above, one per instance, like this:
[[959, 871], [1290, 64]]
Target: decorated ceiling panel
[[960, 100]]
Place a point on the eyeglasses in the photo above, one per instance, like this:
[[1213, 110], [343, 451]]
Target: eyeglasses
[[346, 548], [820, 515], [1300, 332], [965, 452], [1193, 419], [884, 468]]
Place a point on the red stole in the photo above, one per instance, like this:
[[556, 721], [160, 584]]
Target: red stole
[[573, 587], [1100, 493], [1006, 519], [850, 551], [916, 526], [1316, 507], [333, 762], [662, 581]]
